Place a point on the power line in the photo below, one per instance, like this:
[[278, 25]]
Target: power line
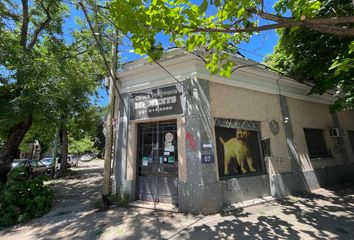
[[103, 56], [169, 73], [257, 54], [280, 73], [273, 69], [248, 65]]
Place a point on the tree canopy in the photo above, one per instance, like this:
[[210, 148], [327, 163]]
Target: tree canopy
[[220, 25], [83, 145], [324, 59], [46, 79]]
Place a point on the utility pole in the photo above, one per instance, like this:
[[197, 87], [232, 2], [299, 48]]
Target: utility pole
[[109, 124], [111, 70]]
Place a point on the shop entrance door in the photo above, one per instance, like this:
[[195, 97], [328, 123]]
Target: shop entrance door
[[157, 176]]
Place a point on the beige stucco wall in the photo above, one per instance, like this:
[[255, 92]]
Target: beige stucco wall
[[182, 160], [132, 152], [346, 120], [306, 114], [238, 103]]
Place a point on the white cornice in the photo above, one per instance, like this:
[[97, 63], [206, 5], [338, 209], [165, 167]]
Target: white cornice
[[142, 74]]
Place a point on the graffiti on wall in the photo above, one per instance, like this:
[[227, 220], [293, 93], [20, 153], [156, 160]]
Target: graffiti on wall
[[191, 140]]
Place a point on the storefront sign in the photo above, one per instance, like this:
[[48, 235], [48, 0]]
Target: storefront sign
[[157, 102]]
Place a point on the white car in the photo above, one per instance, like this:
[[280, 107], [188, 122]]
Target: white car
[[86, 158]]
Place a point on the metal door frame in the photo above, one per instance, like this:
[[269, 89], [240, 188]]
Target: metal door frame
[[159, 164]]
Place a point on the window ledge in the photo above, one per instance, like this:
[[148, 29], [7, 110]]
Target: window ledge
[[242, 176]]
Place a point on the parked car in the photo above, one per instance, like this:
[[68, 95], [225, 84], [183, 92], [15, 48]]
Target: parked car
[[48, 163], [74, 160], [86, 158], [16, 162], [31, 169]]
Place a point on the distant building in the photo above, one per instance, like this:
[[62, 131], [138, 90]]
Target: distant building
[[33, 151], [206, 142]]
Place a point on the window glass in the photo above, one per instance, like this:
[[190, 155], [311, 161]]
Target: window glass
[[34, 163], [315, 142], [157, 147], [351, 139]]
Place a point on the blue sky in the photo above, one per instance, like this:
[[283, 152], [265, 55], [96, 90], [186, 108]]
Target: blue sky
[[259, 45]]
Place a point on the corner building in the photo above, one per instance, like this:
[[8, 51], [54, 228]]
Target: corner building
[[203, 142]]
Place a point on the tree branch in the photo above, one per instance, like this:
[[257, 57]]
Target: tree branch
[[25, 21], [7, 14], [310, 21], [343, 32], [239, 30], [324, 25], [42, 26]]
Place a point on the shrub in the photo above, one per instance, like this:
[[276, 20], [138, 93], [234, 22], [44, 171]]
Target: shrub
[[119, 200], [22, 200]]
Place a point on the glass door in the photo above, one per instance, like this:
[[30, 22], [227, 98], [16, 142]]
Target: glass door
[[157, 162]]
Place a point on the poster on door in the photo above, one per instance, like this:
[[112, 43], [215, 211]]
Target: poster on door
[[169, 148]]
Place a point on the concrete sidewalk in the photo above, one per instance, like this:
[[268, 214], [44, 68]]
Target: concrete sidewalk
[[325, 214]]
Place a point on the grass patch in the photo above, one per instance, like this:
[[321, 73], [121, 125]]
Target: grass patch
[[115, 200], [98, 232], [119, 200]]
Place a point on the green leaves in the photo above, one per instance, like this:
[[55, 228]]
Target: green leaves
[[22, 200], [194, 41], [298, 8], [203, 7], [82, 145], [227, 68], [144, 21], [54, 81], [188, 25], [323, 59], [344, 64]]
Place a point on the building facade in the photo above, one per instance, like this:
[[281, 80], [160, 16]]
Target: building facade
[[203, 142]]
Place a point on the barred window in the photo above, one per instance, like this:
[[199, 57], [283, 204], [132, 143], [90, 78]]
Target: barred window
[[316, 144], [351, 139]]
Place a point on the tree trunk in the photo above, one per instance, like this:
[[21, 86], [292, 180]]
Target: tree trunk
[[10, 150], [64, 149], [54, 152]]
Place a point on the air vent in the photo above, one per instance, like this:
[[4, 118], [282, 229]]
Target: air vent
[[334, 132]]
